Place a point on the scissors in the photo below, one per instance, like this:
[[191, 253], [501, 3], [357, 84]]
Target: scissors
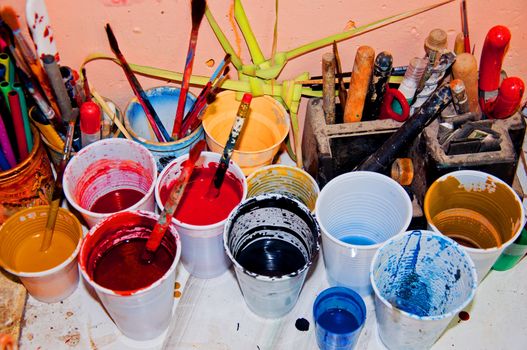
[[387, 108]]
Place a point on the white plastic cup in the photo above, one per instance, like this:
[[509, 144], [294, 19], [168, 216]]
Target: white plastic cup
[[203, 256], [271, 280], [55, 283], [141, 314], [366, 209], [105, 166], [421, 280], [479, 211]]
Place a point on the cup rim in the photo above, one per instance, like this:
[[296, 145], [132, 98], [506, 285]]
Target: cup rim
[[133, 133], [128, 293], [180, 159], [344, 290], [97, 216], [268, 149], [456, 246], [495, 179], [63, 264], [288, 167], [257, 276], [361, 174]]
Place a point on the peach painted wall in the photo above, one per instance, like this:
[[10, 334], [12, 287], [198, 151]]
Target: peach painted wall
[[155, 32]]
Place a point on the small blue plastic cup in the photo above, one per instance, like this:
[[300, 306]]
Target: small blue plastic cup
[[339, 315]]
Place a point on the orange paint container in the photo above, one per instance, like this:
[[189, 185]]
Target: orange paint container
[[265, 129], [48, 276], [28, 184]]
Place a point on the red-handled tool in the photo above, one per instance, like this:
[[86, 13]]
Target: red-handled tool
[[496, 43], [386, 108], [509, 98]]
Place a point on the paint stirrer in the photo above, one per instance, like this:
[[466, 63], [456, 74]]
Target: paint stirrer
[[198, 11], [174, 198], [153, 119], [219, 176]]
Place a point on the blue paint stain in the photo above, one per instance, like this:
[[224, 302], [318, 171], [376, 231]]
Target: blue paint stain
[[412, 292], [357, 240]]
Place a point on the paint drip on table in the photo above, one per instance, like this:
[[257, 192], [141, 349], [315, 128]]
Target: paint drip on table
[[196, 208]]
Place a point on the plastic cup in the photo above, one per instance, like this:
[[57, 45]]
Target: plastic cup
[[339, 315], [203, 256], [110, 166], [284, 179], [264, 130], [143, 313], [512, 254], [479, 211], [164, 99], [46, 279], [421, 280], [357, 212], [272, 240]]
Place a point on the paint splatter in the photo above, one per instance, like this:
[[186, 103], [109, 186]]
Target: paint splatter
[[464, 316], [302, 324]]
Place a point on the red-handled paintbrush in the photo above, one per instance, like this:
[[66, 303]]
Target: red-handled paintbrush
[[198, 10], [154, 240]]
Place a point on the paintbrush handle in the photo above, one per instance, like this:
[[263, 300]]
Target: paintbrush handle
[[56, 196], [194, 111], [185, 84], [55, 78], [18, 122], [239, 121], [156, 124]]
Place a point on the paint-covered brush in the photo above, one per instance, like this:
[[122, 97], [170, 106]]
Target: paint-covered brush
[[198, 10], [173, 200], [56, 196], [207, 94], [239, 121], [153, 119]]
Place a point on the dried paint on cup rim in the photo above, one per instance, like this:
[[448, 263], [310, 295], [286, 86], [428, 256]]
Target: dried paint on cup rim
[[309, 250], [446, 242], [284, 179], [475, 192], [107, 225], [54, 269]]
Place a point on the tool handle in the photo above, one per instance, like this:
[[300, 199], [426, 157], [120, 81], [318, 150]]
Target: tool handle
[[494, 47], [386, 107], [509, 98]]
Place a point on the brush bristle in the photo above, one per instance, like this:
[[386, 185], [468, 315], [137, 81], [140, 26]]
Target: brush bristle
[[111, 38], [10, 18], [198, 10]]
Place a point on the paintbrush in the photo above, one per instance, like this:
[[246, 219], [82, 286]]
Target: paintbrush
[[156, 124], [198, 10], [174, 198], [56, 196], [239, 121], [464, 25], [201, 100]]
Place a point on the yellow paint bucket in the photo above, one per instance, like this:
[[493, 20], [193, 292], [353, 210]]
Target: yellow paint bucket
[[264, 130]]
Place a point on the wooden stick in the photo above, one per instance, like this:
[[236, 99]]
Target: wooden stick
[[360, 80], [328, 89], [466, 69], [109, 112]]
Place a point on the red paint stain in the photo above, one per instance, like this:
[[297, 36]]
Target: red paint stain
[[195, 207], [464, 316], [46, 31], [120, 268], [117, 200]]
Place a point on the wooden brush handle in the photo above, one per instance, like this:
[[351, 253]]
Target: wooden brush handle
[[360, 80], [466, 69]]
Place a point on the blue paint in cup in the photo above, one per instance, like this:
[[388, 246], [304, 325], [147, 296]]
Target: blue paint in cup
[[339, 315]]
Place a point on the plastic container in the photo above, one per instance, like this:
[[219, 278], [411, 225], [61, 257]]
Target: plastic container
[[203, 255], [479, 211], [143, 313], [421, 280], [121, 172], [164, 99], [49, 276], [357, 212], [339, 315], [284, 179], [272, 240], [263, 132]]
